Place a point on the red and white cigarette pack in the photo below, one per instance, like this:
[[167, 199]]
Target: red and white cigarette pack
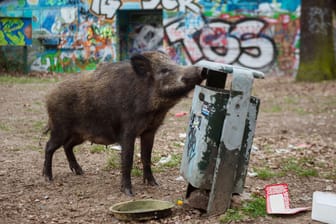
[[277, 200]]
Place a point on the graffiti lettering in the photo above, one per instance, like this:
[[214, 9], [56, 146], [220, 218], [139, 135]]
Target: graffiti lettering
[[181, 5], [109, 7], [242, 42], [176, 33], [105, 7]]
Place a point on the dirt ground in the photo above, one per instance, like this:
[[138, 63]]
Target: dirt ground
[[297, 122]]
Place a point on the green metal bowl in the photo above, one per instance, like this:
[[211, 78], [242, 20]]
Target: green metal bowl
[[141, 210]]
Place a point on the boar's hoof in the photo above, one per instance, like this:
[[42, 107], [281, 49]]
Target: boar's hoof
[[47, 175], [127, 191], [150, 181], [77, 170]]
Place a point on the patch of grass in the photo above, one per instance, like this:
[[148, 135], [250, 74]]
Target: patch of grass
[[39, 125], [290, 100], [113, 162], [137, 172], [274, 109], [36, 148], [6, 79], [231, 215], [177, 145], [97, 149], [331, 175], [254, 208], [300, 111], [174, 162], [268, 148], [300, 167], [265, 173], [4, 127]]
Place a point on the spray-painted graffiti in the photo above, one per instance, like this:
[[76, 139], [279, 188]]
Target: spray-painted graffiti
[[77, 35], [108, 8], [139, 31], [147, 38], [57, 25], [317, 21], [75, 40], [242, 42], [286, 36], [63, 61], [15, 31], [180, 5]]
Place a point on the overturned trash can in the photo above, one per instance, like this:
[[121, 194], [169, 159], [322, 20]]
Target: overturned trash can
[[219, 137]]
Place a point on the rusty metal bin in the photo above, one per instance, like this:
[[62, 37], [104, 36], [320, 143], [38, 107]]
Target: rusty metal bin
[[219, 136]]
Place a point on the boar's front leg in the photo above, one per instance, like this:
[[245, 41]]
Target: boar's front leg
[[127, 152], [147, 140]]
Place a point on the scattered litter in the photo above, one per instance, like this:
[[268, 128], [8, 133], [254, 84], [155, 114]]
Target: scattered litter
[[277, 200], [182, 135], [179, 202], [181, 114], [324, 207], [329, 188], [299, 146], [255, 148], [179, 178], [252, 174], [280, 151], [115, 147], [302, 146], [181, 144], [165, 160]]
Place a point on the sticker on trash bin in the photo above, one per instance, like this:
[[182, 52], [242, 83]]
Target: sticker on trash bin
[[205, 109], [277, 200]]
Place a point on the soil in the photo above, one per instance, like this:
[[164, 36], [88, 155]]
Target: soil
[[296, 120]]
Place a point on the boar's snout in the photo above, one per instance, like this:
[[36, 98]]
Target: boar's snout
[[193, 76]]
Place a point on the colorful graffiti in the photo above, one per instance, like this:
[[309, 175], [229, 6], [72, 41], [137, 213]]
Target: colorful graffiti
[[109, 8], [15, 31], [76, 35], [74, 39], [268, 42], [226, 42], [139, 31]]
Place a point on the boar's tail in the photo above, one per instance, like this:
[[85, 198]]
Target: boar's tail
[[45, 131]]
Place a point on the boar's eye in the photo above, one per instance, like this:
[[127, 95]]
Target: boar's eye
[[164, 70]]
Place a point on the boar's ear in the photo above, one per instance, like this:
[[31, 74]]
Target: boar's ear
[[141, 65]]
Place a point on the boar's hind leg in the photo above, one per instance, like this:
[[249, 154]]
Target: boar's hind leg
[[52, 145], [68, 148], [147, 140]]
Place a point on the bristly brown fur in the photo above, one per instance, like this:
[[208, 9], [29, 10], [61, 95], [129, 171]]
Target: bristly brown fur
[[117, 103]]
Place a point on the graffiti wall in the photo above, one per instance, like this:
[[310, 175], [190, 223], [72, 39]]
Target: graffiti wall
[[15, 31], [76, 35], [262, 36]]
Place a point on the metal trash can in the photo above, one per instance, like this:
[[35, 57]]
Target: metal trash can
[[219, 136]]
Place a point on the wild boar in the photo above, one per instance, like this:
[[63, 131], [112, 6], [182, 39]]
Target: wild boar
[[116, 104]]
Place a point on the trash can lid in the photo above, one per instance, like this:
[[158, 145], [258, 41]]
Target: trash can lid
[[225, 68]]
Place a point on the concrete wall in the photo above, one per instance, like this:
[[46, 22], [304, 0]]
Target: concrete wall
[[76, 35]]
